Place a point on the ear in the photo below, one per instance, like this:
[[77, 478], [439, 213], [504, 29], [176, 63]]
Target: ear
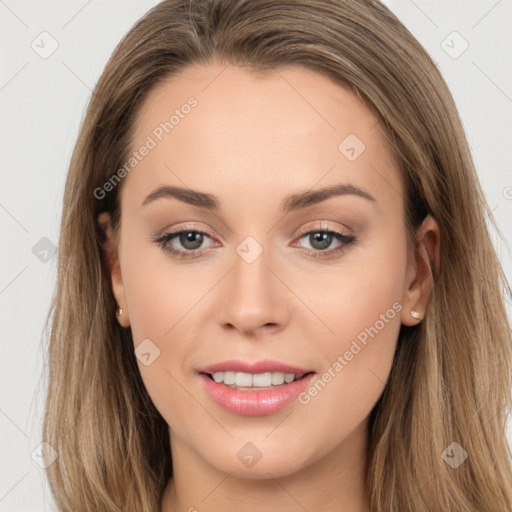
[[112, 258], [421, 269]]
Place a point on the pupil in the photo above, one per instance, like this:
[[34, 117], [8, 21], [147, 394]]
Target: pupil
[[321, 238], [191, 240]]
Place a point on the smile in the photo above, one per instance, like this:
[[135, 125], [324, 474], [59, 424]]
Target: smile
[[237, 380], [254, 389]]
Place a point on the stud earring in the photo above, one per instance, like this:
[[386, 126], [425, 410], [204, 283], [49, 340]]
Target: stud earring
[[416, 315], [120, 311]]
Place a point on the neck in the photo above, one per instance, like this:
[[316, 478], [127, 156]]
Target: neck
[[335, 482]]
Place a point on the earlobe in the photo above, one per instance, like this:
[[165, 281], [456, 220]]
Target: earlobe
[[423, 270], [110, 252]]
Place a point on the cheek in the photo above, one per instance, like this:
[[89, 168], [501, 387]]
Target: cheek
[[366, 322], [161, 296], [164, 305], [365, 290]]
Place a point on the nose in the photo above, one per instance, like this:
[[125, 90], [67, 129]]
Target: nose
[[253, 297]]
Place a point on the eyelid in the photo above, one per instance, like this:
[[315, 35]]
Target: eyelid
[[318, 225], [186, 227], [324, 226]]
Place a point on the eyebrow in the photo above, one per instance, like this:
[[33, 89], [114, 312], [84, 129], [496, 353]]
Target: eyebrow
[[291, 203]]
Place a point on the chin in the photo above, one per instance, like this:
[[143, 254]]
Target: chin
[[261, 459]]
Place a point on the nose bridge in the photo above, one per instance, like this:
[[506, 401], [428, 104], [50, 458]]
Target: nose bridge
[[253, 295], [251, 268]]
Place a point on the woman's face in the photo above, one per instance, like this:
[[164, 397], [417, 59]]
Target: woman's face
[[292, 260]]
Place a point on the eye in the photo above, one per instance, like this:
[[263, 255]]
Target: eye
[[320, 238], [189, 239]]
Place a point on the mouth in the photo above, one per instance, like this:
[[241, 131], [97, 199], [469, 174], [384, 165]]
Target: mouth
[[254, 389], [244, 381]]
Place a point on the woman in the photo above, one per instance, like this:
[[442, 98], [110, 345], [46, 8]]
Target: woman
[[276, 284]]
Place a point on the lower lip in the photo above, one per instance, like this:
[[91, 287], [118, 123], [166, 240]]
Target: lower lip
[[259, 402]]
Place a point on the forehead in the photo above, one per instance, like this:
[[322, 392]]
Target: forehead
[[216, 126]]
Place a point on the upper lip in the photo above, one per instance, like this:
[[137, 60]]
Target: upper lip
[[254, 367]]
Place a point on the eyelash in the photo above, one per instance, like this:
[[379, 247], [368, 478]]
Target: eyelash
[[346, 241]]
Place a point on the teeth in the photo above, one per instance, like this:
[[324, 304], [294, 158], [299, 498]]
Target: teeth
[[258, 380], [261, 380], [243, 379], [229, 377], [289, 377], [218, 377], [277, 378]]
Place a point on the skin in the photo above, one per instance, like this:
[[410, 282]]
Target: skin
[[252, 140]]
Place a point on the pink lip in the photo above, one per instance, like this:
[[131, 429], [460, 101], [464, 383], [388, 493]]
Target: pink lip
[[257, 402], [256, 367]]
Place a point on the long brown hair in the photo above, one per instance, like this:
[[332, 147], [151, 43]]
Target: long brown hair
[[452, 374]]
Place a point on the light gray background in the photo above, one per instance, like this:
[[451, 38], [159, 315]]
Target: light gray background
[[43, 102]]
